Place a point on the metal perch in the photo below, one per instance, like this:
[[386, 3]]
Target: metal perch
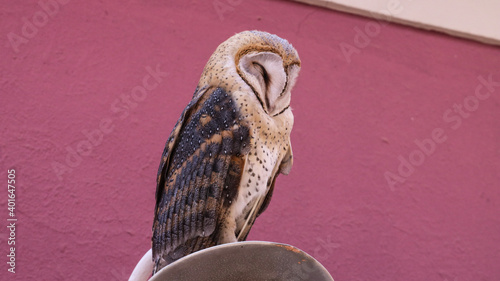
[[242, 261]]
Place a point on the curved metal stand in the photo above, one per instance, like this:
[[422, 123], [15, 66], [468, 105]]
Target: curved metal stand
[[241, 261]]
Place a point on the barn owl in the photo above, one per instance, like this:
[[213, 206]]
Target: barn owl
[[220, 163]]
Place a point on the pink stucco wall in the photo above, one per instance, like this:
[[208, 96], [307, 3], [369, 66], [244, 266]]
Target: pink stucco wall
[[373, 102]]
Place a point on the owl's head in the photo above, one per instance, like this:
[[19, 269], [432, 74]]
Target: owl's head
[[255, 61]]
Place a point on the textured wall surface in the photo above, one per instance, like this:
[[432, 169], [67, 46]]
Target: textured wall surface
[[396, 138]]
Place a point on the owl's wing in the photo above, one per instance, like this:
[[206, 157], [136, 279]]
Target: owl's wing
[[199, 175], [167, 151]]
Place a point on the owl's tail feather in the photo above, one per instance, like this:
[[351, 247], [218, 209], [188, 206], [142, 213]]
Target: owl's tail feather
[[191, 246]]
